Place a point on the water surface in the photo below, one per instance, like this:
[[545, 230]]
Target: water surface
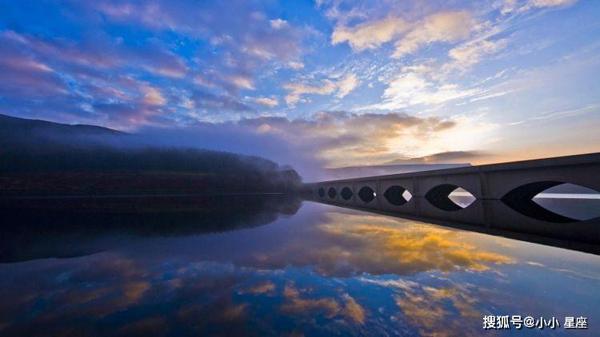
[[282, 269]]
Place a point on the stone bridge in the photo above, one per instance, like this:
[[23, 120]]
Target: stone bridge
[[504, 198]]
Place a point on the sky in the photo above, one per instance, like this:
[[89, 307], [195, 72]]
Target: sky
[[315, 84]]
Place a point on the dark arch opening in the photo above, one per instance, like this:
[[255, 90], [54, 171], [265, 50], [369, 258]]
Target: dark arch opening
[[440, 197], [321, 192], [366, 194], [564, 203], [331, 193], [395, 195], [346, 193]]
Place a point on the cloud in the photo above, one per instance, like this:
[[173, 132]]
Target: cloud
[[411, 88], [369, 35], [332, 139], [153, 96], [297, 305], [270, 102], [353, 310], [346, 85], [341, 87], [242, 82], [510, 6], [24, 75], [91, 80], [444, 157], [440, 27], [295, 65], [118, 79], [344, 245], [209, 102], [296, 90], [326, 306], [551, 3], [409, 37], [402, 250], [98, 51], [278, 23], [468, 54], [342, 138], [439, 311], [246, 37], [262, 288]]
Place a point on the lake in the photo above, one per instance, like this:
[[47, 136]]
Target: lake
[[279, 267]]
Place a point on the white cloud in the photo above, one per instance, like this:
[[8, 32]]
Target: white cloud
[[346, 85], [266, 101], [468, 54], [278, 24], [295, 65], [405, 85], [551, 3], [341, 88], [298, 89], [448, 26], [241, 82], [490, 96], [153, 96], [439, 27], [413, 88], [509, 6], [369, 35]]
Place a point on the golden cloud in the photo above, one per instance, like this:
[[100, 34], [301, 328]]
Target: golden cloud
[[344, 138], [349, 244], [266, 287], [327, 306], [429, 310], [410, 248]]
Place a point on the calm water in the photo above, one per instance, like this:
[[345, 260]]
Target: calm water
[[284, 270]]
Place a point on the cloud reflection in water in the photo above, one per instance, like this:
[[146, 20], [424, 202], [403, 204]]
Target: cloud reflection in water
[[324, 271]]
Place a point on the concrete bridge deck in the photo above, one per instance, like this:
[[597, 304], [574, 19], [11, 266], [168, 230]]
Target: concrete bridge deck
[[503, 193]]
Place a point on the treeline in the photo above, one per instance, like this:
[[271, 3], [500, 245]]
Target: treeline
[[39, 155]]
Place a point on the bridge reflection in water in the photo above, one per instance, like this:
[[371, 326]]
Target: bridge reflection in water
[[503, 198]]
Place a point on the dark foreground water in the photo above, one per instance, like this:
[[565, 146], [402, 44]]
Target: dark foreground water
[[280, 268]]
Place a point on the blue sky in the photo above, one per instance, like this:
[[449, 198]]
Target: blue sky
[[329, 83]]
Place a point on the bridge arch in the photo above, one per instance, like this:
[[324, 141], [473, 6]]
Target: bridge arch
[[396, 195], [346, 193], [522, 200], [367, 194], [332, 192], [439, 196]]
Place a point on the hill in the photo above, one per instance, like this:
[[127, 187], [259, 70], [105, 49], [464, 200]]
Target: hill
[[41, 157]]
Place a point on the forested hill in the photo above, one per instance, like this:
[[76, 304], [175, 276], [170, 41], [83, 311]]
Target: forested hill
[[41, 156]]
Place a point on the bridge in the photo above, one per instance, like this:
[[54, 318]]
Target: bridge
[[503, 202]]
